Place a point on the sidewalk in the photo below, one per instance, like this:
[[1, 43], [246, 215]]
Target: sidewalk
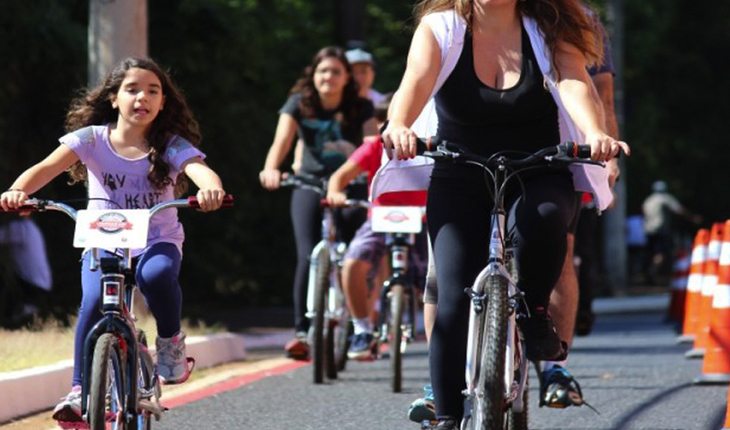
[[32, 390]]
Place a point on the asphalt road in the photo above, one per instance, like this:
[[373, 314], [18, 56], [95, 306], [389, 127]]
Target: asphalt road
[[631, 370]]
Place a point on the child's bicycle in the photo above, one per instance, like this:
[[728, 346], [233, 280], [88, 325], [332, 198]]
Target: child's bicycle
[[326, 305], [496, 364], [120, 386], [396, 325]]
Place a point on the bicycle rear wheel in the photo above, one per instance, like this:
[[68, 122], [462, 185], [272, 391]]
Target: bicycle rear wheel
[[106, 392], [396, 296], [489, 403], [321, 287]]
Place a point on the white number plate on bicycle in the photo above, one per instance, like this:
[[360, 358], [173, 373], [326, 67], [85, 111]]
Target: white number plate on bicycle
[[108, 228], [397, 219]]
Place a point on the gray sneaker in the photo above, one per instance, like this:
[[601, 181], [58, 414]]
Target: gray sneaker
[[69, 410], [172, 363]]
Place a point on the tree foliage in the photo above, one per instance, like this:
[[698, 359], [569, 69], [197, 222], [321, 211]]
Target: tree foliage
[[236, 61]]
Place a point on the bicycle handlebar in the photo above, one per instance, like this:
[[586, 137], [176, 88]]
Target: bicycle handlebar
[[566, 152], [318, 185], [39, 205]]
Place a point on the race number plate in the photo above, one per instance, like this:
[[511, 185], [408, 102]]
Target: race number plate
[[105, 228], [397, 219]]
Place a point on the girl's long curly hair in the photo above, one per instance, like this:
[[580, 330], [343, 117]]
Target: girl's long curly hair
[[94, 107], [310, 101], [559, 20]]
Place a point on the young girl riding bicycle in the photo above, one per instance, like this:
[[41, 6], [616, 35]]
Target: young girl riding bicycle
[[130, 139]]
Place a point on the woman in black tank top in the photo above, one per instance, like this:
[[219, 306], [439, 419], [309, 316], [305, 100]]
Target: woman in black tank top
[[502, 111]]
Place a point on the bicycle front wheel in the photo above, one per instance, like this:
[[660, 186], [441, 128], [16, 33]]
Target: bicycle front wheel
[[489, 402], [321, 287], [396, 337], [106, 392]]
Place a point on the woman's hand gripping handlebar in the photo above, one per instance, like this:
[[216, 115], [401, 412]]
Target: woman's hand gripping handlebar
[[400, 142]]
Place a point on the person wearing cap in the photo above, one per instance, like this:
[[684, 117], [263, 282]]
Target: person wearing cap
[[659, 208], [363, 70]]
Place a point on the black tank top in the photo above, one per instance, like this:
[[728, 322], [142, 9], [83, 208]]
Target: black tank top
[[486, 120]]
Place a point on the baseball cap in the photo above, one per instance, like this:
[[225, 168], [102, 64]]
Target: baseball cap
[[358, 55]]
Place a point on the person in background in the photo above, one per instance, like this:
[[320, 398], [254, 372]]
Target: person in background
[[363, 70], [587, 233], [659, 209], [331, 119], [636, 243], [26, 249], [365, 253]]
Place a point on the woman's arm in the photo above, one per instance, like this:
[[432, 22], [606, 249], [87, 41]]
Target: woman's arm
[[580, 100], [270, 176], [419, 79], [37, 176], [210, 188]]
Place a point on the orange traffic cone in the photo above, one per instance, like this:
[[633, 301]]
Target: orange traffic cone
[[716, 363], [680, 272], [709, 282], [694, 286]]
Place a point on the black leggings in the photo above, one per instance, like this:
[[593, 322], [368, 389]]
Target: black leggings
[[458, 222], [306, 216]]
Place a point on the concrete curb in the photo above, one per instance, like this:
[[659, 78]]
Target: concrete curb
[[24, 392]]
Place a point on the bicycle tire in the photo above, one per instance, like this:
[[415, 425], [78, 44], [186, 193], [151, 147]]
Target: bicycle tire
[[321, 288], [518, 420], [330, 360], [489, 405], [343, 331], [396, 296], [107, 358], [146, 379]]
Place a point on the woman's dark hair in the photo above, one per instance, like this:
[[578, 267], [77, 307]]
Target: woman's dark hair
[[94, 107], [310, 102]]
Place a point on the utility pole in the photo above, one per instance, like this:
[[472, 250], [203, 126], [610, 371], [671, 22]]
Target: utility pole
[[350, 16], [614, 219], [117, 29]]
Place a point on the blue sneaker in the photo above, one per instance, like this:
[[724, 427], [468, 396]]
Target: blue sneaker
[[558, 389], [423, 409], [361, 347]]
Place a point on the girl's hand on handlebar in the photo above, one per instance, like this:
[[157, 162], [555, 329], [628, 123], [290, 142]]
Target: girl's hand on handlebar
[[12, 199], [210, 199], [605, 147], [270, 178], [399, 142]]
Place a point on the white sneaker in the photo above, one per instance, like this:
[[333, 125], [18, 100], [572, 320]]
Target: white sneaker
[[69, 410], [172, 363]]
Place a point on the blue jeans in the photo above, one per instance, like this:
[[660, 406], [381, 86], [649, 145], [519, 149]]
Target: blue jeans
[[156, 273]]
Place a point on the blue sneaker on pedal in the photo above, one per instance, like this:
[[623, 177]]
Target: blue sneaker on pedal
[[423, 409], [361, 347], [558, 389]]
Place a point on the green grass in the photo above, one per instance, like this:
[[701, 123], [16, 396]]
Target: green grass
[[43, 343]]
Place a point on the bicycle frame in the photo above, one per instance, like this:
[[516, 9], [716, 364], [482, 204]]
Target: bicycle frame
[[493, 339]]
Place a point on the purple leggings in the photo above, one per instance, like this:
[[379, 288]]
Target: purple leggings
[[156, 273]]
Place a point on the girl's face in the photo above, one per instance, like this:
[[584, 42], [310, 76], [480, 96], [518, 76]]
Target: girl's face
[[330, 77], [139, 98]]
